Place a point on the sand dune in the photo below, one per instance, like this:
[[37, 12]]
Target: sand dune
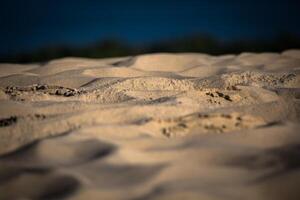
[[155, 126]]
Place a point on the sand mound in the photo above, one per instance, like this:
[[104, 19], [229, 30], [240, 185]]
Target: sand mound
[[156, 126]]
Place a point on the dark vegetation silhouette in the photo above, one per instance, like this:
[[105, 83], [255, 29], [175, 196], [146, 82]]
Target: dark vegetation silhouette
[[201, 43]]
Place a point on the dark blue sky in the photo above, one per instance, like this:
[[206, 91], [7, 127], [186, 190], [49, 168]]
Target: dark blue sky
[[31, 24]]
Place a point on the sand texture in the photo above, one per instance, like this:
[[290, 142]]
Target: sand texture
[[155, 126]]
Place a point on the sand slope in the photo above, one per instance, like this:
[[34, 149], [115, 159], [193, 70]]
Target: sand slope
[[156, 126]]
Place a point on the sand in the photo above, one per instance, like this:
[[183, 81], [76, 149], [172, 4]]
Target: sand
[[155, 126]]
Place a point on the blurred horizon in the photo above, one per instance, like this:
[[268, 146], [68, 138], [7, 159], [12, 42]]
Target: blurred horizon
[[39, 30]]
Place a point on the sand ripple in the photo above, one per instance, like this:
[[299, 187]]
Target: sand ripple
[[156, 126]]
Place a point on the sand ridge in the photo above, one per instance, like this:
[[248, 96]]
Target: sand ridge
[[155, 126]]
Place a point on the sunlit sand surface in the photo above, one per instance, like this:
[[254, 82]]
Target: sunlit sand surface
[[155, 126]]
